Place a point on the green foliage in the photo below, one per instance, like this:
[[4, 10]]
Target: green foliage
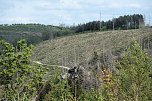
[[27, 27], [122, 22], [91, 95], [108, 86], [133, 79], [60, 90], [20, 79], [33, 33]]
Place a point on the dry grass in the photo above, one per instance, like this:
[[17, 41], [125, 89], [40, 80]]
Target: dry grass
[[77, 49]]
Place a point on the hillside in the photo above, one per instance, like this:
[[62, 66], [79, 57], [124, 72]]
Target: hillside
[[79, 49], [33, 33]]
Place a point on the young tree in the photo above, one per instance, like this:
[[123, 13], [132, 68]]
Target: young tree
[[133, 80], [20, 79]]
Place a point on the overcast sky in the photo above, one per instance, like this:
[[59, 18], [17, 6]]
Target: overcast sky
[[69, 11]]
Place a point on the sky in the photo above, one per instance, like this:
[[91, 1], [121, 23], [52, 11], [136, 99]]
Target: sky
[[69, 12]]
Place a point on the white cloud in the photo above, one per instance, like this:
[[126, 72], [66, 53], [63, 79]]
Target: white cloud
[[20, 19], [70, 11], [116, 5], [135, 5], [94, 2], [47, 5], [126, 4], [70, 4], [62, 15]]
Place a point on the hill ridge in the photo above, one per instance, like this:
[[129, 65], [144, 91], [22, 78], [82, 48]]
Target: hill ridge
[[79, 49]]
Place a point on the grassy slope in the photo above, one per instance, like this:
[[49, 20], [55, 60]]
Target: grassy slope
[[79, 48]]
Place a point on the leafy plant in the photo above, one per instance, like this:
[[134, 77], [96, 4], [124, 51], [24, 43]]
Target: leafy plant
[[60, 90], [134, 83], [20, 78]]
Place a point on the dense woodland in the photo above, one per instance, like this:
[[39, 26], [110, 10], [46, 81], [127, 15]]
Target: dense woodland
[[33, 33], [121, 23]]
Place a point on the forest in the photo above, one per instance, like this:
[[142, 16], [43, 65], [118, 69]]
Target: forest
[[33, 33], [96, 61], [121, 23]]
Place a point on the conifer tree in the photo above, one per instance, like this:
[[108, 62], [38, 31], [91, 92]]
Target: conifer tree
[[133, 80]]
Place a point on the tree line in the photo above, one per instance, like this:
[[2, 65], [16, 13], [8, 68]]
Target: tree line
[[36, 33], [33, 33], [134, 21]]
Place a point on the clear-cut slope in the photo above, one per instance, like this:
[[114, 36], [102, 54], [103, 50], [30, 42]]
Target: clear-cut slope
[[79, 49]]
